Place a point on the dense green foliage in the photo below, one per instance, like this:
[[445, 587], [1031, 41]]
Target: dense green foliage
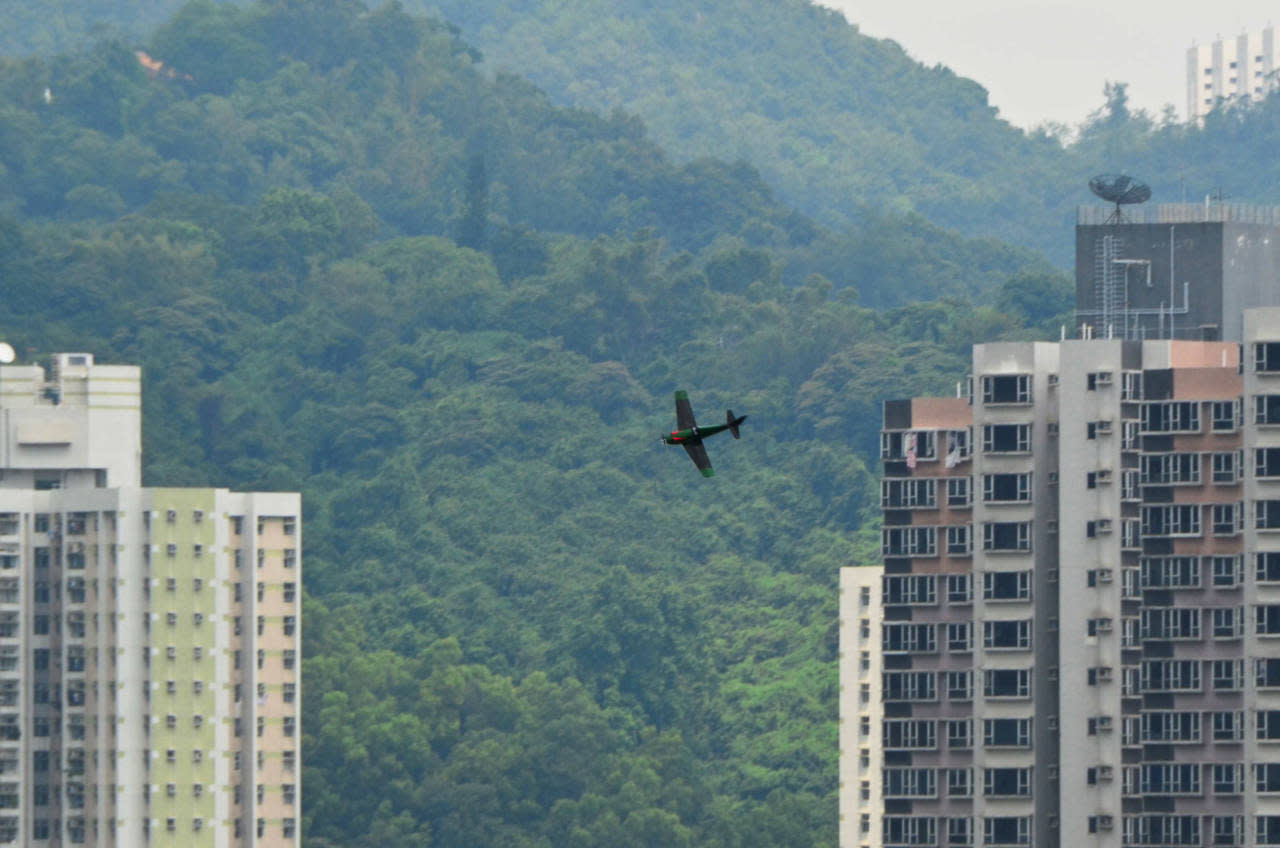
[[841, 123], [846, 128], [452, 315]]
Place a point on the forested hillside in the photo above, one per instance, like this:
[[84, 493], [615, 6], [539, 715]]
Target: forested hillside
[[842, 124], [452, 314], [846, 128]]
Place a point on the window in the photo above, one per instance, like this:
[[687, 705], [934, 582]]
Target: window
[[1098, 724], [909, 686], [1228, 778], [1170, 779], [290, 558], [1267, 673], [1266, 409], [1097, 379], [960, 636], [1171, 417], [1171, 520], [909, 783], [290, 692], [290, 592], [1094, 429], [1096, 626], [912, 830], [1227, 572], [906, 589], [1006, 635], [960, 734], [1006, 732], [899, 638], [1170, 469], [896, 446], [1227, 467], [1006, 438], [1227, 519], [1267, 566], [959, 540], [960, 587], [1268, 726], [1266, 357], [1228, 623], [1267, 620], [1266, 515], [1006, 683], [908, 541], [909, 734], [1171, 726], [1170, 572], [1226, 675], [290, 724], [1007, 830], [1170, 676], [1006, 488], [960, 785], [909, 493], [1171, 623], [1006, 536], [959, 685], [1223, 415], [958, 492], [290, 658], [1006, 388]]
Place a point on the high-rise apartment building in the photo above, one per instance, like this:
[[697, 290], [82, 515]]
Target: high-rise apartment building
[[1081, 599], [860, 725], [1175, 270], [149, 637], [1242, 67]]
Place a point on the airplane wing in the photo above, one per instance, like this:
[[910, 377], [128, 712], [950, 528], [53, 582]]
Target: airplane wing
[[684, 411], [699, 456]]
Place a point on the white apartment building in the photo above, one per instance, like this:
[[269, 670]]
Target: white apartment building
[[1080, 638], [860, 711], [1240, 67], [149, 638]]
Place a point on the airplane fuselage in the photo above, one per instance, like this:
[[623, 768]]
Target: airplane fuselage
[[693, 435]]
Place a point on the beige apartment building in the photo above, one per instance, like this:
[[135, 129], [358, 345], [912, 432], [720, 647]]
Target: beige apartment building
[[149, 637], [1081, 600]]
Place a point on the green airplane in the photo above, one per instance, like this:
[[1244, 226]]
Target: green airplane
[[689, 435]]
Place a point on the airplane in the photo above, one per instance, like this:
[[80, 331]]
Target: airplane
[[689, 435]]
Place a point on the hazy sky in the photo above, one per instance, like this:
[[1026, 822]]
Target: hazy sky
[[1048, 61]]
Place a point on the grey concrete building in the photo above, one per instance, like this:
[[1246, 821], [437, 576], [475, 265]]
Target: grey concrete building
[[1175, 271], [1081, 598]]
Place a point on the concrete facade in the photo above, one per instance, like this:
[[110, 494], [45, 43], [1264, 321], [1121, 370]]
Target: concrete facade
[[131, 687], [1175, 271], [860, 711], [1090, 538]]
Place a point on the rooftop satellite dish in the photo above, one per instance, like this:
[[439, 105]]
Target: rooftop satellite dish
[[6, 353], [1121, 190]]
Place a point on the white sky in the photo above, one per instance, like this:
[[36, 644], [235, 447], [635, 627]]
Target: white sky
[[1047, 61]]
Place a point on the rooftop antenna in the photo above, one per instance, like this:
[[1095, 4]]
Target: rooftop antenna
[[1120, 189]]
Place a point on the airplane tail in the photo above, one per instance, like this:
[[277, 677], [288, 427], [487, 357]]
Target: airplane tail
[[733, 422]]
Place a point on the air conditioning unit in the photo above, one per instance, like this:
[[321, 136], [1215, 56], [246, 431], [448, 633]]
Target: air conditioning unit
[[1103, 625], [1104, 575], [1103, 475], [1053, 478], [1052, 526], [1105, 822], [76, 547], [1104, 723], [1104, 673], [1103, 426], [1102, 378], [1104, 773], [1053, 379], [1103, 525], [1053, 428]]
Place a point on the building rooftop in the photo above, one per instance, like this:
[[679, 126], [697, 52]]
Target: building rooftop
[[1181, 213]]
